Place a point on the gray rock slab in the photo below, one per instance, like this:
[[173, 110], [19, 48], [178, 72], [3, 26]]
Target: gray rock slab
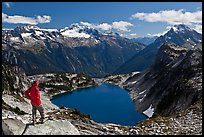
[[13, 126], [59, 127]]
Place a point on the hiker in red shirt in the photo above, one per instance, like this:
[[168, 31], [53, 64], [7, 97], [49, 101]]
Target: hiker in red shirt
[[33, 93]]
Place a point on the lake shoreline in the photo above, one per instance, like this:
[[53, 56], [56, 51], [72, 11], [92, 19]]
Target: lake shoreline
[[90, 100]]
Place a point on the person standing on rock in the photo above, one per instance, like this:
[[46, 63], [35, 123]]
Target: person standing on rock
[[33, 93]]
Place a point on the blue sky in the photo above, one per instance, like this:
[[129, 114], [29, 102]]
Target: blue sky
[[131, 19]]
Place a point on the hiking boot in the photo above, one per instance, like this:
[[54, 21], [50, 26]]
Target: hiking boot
[[33, 122], [41, 120]]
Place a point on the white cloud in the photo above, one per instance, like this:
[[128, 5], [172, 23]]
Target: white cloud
[[121, 25], [43, 19], [171, 17], [88, 24], [3, 16], [168, 27], [74, 33], [16, 19], [133, 34], [8, 4], [104, 26], [149, 34]]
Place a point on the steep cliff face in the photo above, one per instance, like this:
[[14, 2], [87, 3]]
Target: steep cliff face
[[14, 79], [172, 84]]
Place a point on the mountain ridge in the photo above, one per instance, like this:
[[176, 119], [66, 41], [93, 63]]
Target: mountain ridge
[[178, 34], [40, 50]]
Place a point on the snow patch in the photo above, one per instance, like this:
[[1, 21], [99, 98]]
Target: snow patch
[[71, 64], [50, 38], [16, 47], [142, 92], [50, 30], [49, 75], [175, 29], [133, 73], [177, 63], [140, 100], [149, 112], [7, 29], [74, 33], [15, 39], [25, 34], [133, 82], [38, 33], [15, 59], [97, 41]]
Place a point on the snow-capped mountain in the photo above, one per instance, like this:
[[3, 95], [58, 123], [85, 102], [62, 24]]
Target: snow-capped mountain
[[28, 34], [80, 30], [25, 35], [78, 48], [181, 35]]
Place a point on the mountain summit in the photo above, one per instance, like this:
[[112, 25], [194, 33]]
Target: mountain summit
[[181, 35]]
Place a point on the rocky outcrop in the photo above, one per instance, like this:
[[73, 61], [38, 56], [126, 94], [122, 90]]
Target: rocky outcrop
[[12, 126], [187, 122], [14, 79]]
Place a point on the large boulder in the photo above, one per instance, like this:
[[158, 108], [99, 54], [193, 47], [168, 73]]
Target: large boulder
[[12, 126]]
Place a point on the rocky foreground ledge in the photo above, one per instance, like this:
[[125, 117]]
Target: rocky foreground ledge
[[67, 121]]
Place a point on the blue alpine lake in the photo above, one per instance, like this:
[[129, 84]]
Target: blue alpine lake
[[105, 103]]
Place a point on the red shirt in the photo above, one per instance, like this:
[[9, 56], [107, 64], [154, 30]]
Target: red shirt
[[33, 93]]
